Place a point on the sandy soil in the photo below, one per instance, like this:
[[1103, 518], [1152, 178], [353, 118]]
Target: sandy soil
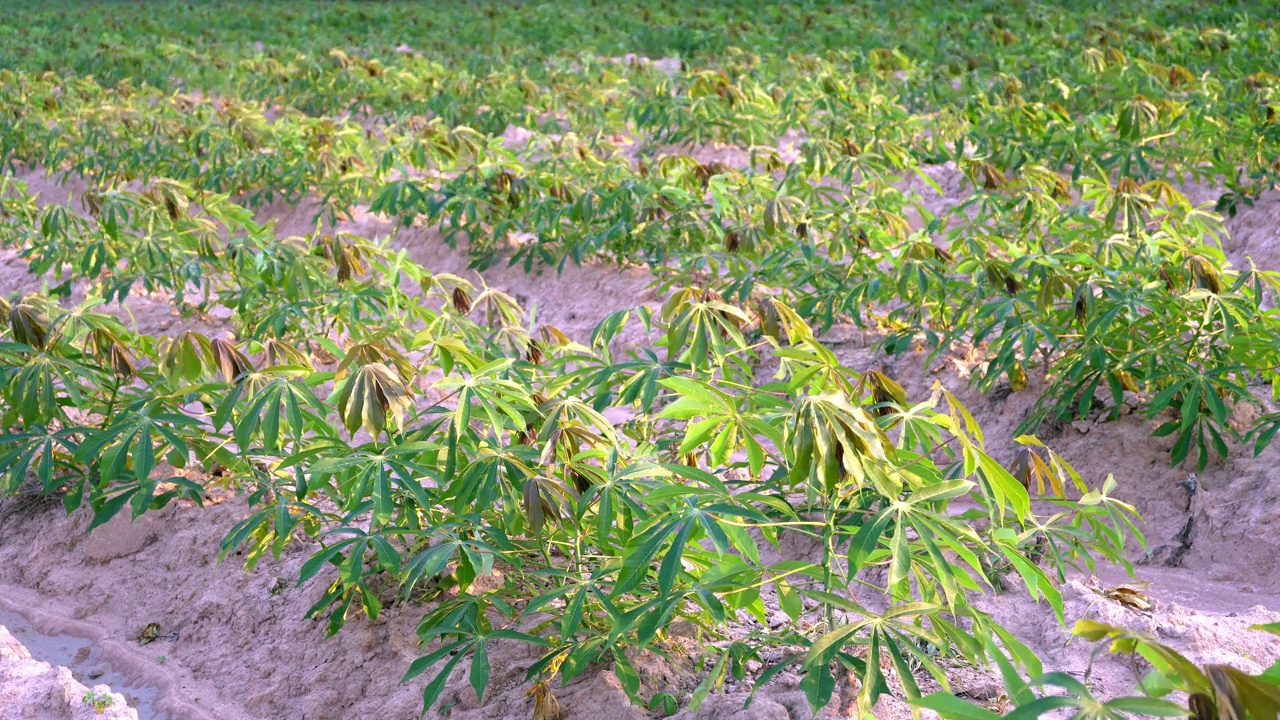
[[37, 690], [237, 646]]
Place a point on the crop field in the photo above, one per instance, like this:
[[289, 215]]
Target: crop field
[[616, 359]]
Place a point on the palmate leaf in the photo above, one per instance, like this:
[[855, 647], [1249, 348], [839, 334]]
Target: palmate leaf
[[641, 551], [488, 478], [544, 499], [898, 633], [369, 395], [713, 680], [277, 353], [545, 704], [1030, 464], [229, 361], [1005, 490], [1122, 640], [369, 353], [108, 349], [724, 424], [38, 390], [829, 440], [1037, 581], [281, 404], [366, 478], [818, 682], [184, 357], [701, 326], [886, 393], [465, 620], [29, 324], [1145, 706], [490, 395], [127, 444], [1230, 693], [48, 454], [270, 528]]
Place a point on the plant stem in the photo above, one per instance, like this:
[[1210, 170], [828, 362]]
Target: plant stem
[[111, 403], [828, 557]]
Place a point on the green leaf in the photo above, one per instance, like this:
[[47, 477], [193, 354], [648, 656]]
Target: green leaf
[[108, 509], [941, 491], [713, 680], [1005, 486], [867, 538], [692, 389], [818, 684], [626, 673], [670, 566], [318, 560], [824, 649], [1273, 628], [900, 567], [1041, 706], [697, 433], [432, 691], [950, 706], [903, 669], [422, 664], [1148, 706], [638, 555], [1091, 630], [479, 674], [789, 599]]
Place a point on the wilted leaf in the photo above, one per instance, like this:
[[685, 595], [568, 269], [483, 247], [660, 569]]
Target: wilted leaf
[[368, 396]]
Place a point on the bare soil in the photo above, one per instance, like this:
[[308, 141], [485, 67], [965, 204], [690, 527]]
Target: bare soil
[[35, 690]]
